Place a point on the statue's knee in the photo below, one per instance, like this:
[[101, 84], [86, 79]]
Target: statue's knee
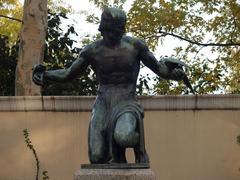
[[125, 139], [125, 133]]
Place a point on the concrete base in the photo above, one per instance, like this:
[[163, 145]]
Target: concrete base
[[114, 174]]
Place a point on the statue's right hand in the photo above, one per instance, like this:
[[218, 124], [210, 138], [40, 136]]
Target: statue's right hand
[[38, 74]]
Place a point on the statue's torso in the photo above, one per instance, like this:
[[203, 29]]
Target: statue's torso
[[118, 65]]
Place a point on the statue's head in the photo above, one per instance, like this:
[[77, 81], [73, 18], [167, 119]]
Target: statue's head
[[112, 25]]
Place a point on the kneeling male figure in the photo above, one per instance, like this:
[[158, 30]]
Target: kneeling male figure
[[117, 119]]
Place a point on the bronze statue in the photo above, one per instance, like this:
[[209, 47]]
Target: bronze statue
[[117, 118]]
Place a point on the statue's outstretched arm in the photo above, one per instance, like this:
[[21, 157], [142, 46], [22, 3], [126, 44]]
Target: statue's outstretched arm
[[40, 75], [161, 68], [167, 68]]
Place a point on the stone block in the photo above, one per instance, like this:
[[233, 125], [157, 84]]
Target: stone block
[[115, 174]]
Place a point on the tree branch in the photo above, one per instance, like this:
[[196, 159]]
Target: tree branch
[[15, 19], [163, 33]]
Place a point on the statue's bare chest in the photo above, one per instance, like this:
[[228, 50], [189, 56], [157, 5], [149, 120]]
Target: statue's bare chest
[[121, 59]]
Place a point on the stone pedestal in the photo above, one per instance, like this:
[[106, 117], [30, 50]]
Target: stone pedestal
[[115, 174]]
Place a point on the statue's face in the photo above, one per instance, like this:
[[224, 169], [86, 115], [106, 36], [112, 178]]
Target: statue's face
[[113, 33], [112, 25]]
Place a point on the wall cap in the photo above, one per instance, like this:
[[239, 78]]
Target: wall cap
[[85, 103]]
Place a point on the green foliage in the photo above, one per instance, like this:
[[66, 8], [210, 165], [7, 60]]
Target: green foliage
[[143, 87], [31, 147], [56, 6], [216, 22], [14, 9], [60, 53], [10, 28], [146, 17], [8, 56]]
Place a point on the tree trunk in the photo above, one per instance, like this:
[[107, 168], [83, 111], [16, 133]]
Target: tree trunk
[[31, 49]]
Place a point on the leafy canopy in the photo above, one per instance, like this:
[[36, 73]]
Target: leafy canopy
[[10, 28], [14, 9], [216, 22], [211, 26], [211, 30], [60, 53]]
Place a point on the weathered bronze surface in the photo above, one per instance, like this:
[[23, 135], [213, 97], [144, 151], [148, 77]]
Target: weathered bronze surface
[[117, 118]]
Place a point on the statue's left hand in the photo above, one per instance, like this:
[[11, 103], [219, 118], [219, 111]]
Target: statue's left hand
[[177, 74], [175, 68]]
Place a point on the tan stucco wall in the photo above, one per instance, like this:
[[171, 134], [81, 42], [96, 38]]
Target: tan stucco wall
[[184, 142]]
